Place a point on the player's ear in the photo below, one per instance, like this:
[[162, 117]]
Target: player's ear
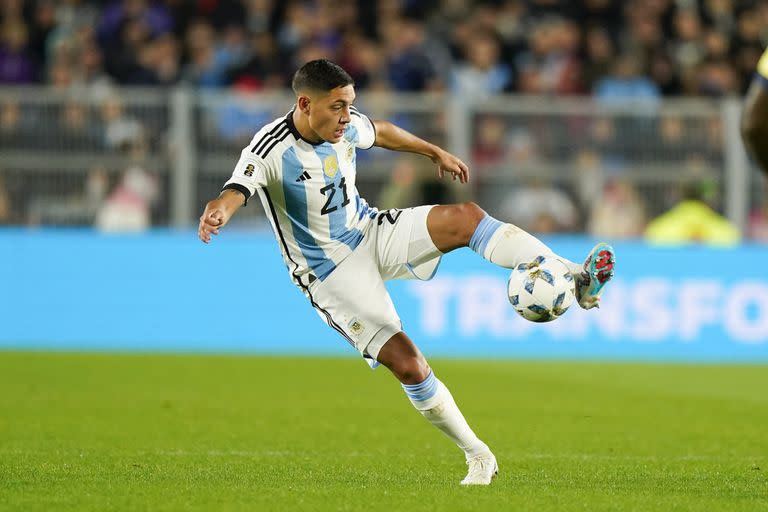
[[303, 104]]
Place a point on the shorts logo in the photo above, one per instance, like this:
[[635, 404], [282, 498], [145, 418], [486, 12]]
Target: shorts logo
[[330, 166], [249, 170], [356, 327]]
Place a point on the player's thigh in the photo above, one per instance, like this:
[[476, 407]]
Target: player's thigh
[[354, 301], [404, 246]]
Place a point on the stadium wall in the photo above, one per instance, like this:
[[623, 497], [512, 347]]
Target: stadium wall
[[165, 291]]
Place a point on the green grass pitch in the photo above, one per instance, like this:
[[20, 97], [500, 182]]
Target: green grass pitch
[[156, 432]]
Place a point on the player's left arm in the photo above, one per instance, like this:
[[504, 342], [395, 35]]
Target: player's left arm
[[754, 120], [390, 136]]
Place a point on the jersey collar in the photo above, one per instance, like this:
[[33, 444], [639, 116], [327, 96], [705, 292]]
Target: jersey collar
[[295, 131]]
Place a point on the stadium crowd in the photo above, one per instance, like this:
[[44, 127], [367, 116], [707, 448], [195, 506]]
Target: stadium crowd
[[611, 50]]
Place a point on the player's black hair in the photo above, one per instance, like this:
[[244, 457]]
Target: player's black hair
[[320, 75]]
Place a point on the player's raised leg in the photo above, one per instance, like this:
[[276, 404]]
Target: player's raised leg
[[506, 245], [433, 400]]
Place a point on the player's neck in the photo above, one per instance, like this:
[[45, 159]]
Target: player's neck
[[301, 123]]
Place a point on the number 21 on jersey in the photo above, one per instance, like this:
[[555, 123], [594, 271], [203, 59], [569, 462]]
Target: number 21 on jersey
[[330, 191]]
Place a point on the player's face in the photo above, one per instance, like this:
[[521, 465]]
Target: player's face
[[329, 113]]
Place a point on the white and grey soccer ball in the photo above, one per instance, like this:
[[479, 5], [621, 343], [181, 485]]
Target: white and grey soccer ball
[[541, 290]]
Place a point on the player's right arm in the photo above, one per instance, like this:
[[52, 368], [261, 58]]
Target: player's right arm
[[250, 173], [754, 121], [218, 212]]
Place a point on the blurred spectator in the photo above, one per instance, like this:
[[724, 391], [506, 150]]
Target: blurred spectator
[[692, 221], [41, 26], [522, 150], [10, 120], [96, 187], [400, 192], [600, 54], [490, 140], [364, 61], [715, 78], [483, 74], [151, 15], [550, 66], [409, 67], [264, 67], [539, 208], [605, 141], [688, 47], [209, 62], [719, 14], [674, 143], [90, 72], [619, 213], [120, 131], [128, 207], [75, 130], [625, 84], [663, 72], [123, 51], [413, 181], [589, 178], [240, 116], [16, 64], [17, 131]]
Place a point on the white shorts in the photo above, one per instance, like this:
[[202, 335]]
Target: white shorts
[[353, 299]]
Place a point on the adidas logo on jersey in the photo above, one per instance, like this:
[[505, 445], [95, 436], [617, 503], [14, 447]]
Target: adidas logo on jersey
[[304, 176]]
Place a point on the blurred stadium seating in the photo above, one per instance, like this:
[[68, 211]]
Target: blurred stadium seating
[[149, 103], [570, 165]]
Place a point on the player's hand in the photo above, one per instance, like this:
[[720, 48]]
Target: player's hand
[[213, 218], [448, 163]]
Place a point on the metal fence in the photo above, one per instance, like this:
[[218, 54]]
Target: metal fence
[[129, 158]]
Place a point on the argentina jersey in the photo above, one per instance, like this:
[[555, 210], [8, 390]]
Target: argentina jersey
[[308, 193]]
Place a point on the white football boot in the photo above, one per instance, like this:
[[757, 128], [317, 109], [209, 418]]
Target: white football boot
[[598, 270], [482, 469]]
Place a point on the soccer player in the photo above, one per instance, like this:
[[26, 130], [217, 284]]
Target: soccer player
[[339, 250], [754, 121]]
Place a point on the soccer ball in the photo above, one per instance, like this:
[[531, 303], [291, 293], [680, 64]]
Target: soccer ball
[[541, 290]]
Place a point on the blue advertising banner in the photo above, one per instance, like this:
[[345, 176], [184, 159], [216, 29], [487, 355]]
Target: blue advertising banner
[[166, 291]]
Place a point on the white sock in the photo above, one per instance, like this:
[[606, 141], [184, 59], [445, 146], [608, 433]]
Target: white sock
[[433, 400], [507, 245]]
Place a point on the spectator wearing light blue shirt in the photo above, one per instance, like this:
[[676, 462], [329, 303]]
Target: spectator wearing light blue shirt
[[482, 74], [626, 84]]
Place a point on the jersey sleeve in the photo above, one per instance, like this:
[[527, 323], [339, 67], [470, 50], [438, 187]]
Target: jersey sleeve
[[250, 173], [762, 68], [363, 133]]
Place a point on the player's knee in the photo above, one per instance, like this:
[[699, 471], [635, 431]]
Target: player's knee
[[469, 216], [412, 370]]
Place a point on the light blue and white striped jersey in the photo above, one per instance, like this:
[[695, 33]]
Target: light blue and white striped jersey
[[308, 193]]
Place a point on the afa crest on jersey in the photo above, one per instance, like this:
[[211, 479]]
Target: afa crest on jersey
[[330, 166]]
